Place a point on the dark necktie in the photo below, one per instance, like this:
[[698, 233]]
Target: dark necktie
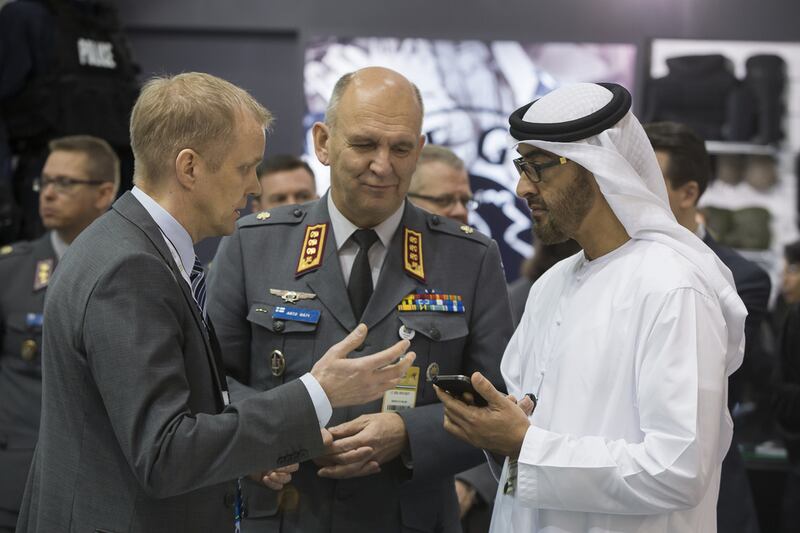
[[198, 280], [359, 289]]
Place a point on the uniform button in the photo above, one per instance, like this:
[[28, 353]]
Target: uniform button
[[435, 220], [435, 334], [278, 325], [297, 213]]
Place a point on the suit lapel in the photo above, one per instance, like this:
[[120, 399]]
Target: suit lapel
[[327, 282], [393, 283], [130, 208]]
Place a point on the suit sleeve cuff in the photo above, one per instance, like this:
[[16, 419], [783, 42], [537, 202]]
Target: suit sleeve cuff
[[318, 397]]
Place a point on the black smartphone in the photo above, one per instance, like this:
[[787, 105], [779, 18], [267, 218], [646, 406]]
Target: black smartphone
[[457, 385]]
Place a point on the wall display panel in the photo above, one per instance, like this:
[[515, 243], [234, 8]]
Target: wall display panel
[[469, 89], [759, 208]]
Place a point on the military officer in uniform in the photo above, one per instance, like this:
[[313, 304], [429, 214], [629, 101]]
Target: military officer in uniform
[[79, 182], [293, 279]]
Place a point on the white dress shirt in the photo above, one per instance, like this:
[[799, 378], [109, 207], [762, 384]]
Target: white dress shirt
[[347, 249], [181, 247]]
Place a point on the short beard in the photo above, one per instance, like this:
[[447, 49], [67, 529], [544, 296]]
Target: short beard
[[566, 211]]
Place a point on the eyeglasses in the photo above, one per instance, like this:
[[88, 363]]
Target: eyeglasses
[[533, 171], [447, 200], [61, 183]]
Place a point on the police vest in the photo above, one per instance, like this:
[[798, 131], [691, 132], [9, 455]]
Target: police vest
[[91, 87]]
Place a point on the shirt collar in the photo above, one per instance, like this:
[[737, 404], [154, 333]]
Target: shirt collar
[[59, 245], [343, 228], [170, 227]]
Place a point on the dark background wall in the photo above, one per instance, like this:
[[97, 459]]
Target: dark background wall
[[258, 44]]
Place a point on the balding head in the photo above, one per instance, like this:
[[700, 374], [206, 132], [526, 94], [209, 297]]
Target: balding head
[[371, 140], [371, 79]]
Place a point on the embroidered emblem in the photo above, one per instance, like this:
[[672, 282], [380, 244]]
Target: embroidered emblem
[[313, 248], [413, 262], [469, 230], [44, 269], [263, 215]]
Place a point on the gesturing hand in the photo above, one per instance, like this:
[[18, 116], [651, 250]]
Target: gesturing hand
[[362, 379]]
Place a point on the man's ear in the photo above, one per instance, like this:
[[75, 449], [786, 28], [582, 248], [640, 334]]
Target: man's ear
[[322, 136], [186, 166], [689, 194], [105, 196]]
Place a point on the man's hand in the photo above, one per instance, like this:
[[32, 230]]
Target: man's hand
[[276, 479], [360, 446], [466, 494], [499, 427], [363, 379]]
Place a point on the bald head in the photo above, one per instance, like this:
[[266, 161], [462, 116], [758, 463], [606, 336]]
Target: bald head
[[376, 82]]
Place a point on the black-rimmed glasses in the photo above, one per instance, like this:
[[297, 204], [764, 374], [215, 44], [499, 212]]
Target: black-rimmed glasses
[[533, 171], [61, 183], [447, 200]]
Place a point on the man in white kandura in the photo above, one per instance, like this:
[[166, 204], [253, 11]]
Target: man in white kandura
[[627, 345]]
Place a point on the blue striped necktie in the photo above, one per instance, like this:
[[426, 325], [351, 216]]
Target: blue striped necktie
[[198, 280]]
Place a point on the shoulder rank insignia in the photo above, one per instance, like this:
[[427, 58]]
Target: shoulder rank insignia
[[291, 297], [263, 215], [313, 248], [7, 249], [469, 230], [44, 269], [413, 262]]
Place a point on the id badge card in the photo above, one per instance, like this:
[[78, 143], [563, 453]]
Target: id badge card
[[404, 395]]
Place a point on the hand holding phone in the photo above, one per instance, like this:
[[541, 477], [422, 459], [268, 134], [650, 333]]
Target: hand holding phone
[[457, 385]]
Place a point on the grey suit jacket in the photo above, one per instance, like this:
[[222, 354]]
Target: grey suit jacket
[[263, 255], [133, 433], [24, 269]]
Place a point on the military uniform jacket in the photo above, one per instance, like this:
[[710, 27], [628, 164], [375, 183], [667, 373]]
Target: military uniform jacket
[[264, 254], [133, 435], [25, 270]]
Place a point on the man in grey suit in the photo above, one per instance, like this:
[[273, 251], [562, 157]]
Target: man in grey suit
[[292, 278], [78, 183], [137, 431]]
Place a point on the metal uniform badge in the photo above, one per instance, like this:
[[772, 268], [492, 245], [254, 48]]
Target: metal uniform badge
[[313, 248], [44, 269], [413, 262], [291, 297], [263, 215], [469, 230], [277, 363], [28, 350], [7, 249]]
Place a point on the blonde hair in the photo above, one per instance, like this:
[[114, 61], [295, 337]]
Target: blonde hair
[[190, 110], [102, 163]]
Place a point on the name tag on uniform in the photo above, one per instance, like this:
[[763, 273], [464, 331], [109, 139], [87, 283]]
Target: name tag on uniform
[[298, 314], [404, 395]]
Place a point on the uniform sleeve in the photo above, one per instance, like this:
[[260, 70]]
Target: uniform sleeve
[[133, 334], [434, 452], [680, 398]]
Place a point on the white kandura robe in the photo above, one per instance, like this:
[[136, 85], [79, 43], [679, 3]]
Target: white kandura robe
[[627, 355]]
